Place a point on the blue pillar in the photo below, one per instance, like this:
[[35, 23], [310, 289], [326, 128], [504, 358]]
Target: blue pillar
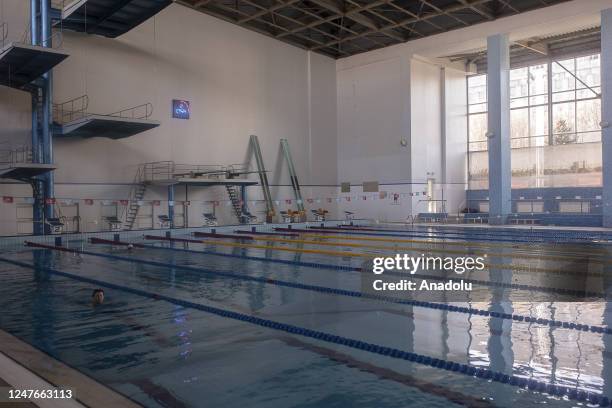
[[171, 204], [37, 186], [498, 96], [47, 117], [606, 113]]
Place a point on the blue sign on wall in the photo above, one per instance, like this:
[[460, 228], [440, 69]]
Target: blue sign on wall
[[180, 109]]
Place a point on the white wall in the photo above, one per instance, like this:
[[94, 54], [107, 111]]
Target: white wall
[[238, 82], [395, 92]]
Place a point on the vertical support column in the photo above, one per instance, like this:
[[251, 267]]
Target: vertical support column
[[243, 198], [171, 204], [47, 117], [498, 92], [37, 186], [606, 114]]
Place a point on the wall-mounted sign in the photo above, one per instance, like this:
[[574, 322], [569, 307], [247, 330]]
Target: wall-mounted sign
[[180, 109]]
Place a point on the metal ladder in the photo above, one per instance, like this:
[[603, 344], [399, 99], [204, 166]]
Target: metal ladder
[[137, 193], [294, 180], [263, 178], [234, 196]]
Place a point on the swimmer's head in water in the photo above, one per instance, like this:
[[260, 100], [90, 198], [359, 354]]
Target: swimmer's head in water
[[130, 246], [97, 296]]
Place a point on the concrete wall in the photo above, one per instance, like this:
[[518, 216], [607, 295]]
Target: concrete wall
[[238, 82]]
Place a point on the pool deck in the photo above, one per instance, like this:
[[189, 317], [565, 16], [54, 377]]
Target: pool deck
[[25, 367]]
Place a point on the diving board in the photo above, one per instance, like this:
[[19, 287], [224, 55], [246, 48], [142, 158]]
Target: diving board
[[109, 126], [20, 64], [194, 181], [108, 18], [25, 171]]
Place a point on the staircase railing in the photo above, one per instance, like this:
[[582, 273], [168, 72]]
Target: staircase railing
[[20, 155], [143, 111], [3, 33], [70, 110], [136, 183]]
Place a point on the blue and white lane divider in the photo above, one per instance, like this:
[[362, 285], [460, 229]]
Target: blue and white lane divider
[[447, 365], [354, 294], [459, 237]]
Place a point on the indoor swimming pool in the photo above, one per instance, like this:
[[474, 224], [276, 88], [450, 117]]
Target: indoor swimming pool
[[280, 317]]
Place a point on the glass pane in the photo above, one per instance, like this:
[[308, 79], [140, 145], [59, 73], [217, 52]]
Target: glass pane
[[564, 123], [588, 70], [519, 123], [477, 89], [588, 115], [477, 127], [589, 137], [538, 79], [478, 173], [518, 82], [538, 100], [478, 108], [538, 121], [564, 96], [588, 93], [519, 103], [563, 80]]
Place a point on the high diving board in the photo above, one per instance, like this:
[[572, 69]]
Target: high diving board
[[20, 64], [108, 18], [195, 181], [25, 171], [112, 127]]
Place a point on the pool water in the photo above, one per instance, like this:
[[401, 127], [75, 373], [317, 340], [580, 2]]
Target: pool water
[[164, 354]]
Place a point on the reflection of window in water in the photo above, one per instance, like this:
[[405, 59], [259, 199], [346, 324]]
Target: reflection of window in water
[[550, 126]]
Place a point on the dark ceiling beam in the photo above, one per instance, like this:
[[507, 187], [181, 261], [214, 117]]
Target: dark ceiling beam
[[412, 20], [271, 9], [261, 31], [478, 10], [355, 16], [413, 15], [446, 12]]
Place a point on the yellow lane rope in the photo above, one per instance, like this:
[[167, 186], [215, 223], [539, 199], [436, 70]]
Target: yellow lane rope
[[524, 268], [422, 249], [449, 243]]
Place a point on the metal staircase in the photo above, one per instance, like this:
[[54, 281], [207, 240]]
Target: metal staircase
[[263, 178], [294, 180], [137, 193], [234, 195]]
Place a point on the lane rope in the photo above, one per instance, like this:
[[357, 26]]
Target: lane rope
[[446, 365]]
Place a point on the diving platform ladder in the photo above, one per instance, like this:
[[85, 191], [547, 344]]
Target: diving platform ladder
[[137, 193], [263, 178], [294, 180]]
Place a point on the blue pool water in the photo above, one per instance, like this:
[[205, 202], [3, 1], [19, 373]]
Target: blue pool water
[[165, 354]]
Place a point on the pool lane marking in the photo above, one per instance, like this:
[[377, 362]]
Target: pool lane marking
[[447, 365], [449, 243], [576, 236], [524, 268], [320, 231], [430, 305], [421, 249], [324, 289]]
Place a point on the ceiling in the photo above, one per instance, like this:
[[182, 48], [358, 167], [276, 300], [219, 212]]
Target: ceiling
[[340, 28], [539, 49]]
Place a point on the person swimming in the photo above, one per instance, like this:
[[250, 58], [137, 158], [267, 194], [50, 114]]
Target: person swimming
[[97, 297]]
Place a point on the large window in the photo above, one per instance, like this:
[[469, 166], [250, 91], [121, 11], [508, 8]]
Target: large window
[[555, 111]]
